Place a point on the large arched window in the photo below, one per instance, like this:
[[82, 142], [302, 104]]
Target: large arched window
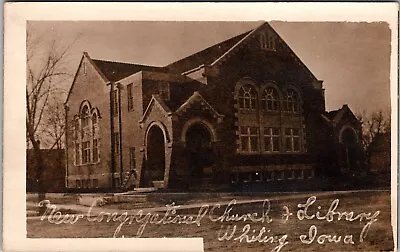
[[270, 99], [292, 101], [86, 136], [247, 97]]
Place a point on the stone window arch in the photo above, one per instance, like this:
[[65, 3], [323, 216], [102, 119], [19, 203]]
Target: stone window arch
[[86, 135]]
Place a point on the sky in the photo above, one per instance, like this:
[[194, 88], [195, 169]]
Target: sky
[[353, 59]]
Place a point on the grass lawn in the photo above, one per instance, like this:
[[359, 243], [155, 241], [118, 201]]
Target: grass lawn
[[378, 238]]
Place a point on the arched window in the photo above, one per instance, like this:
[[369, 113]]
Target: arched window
[[270, 99], [87, 137], [85, 116], [247, 97], [292, 101], [95, 139]]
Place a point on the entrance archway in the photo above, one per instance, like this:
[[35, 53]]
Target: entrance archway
[[155, 156], [349, 140], [200, 152]]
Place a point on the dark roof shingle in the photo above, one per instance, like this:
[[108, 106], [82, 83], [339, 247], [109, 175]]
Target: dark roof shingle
[[115, 71], [206, 56]]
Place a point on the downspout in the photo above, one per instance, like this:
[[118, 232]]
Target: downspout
[[112, 133], [66, 144], [120, 136]]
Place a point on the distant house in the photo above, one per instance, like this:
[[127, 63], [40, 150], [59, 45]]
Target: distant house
[[244, 110], [53, 172]]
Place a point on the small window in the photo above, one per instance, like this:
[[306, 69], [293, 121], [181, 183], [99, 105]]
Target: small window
[[270, 99], [298, 174], [256, 177], [280, 175], [249, 139], [78, 183], [164, 92], [267, 41], [247, 97], [84, 183], [308, 174], [290, 175], [269, 176], [130, 97], [95, 183]]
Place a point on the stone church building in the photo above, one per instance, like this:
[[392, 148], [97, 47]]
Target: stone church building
[[244, 110]]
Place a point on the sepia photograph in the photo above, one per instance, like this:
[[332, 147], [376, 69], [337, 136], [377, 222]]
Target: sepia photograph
[[252, 135]]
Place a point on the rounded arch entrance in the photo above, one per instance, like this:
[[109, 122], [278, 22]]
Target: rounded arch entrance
[[156, 139], [198, 137], [350, 148]]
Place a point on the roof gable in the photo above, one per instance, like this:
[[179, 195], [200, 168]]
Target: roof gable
[[198, 98], [336, 116], [283, 47], [85, 57], [219, 53], [155, 101]]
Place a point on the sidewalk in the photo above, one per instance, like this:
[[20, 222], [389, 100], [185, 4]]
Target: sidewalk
[[94, 211]]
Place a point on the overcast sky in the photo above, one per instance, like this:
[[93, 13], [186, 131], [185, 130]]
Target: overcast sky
[[353, 59]]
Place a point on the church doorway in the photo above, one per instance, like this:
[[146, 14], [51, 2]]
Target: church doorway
[[155, 156], [200, 152], [351, 155]]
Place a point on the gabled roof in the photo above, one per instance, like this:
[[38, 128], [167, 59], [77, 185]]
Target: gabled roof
[[155, 99], [206, 56], [197, 97], [115, 71], [218, 53], [337, 115]]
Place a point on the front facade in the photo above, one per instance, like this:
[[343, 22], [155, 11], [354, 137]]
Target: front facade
[[244, 110]]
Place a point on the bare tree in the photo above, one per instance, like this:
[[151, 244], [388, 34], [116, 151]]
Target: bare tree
[[373, 124], [46, 69], [55, 123]]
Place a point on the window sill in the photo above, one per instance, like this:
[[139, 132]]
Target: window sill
[[248, 153], [86, 164], [271, 111], [248, 111]]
